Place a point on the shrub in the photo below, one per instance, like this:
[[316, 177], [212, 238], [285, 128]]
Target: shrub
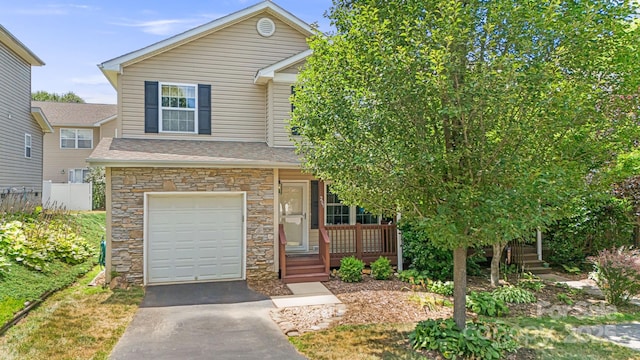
[[442, 288], [617, 273], [351, 269], [484, 303], [98, 187], [479, 340], [35, 243], [514, 295], [381, 269], [535, 285], [598, 224], [433, 262]]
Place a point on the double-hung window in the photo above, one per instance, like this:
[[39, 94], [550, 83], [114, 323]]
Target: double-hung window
[[76, 138], [78, 175], [27, 146], [338, 213], [178, 108]]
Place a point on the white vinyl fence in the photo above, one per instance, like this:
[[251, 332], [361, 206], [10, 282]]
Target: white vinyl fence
[[71, 196]]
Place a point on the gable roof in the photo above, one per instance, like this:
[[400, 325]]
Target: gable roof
[[19, 48], [124, 152], [113, 67], [268, 73], [76, 114], [41, 119]]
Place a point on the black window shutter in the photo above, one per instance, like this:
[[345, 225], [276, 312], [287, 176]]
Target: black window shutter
[[204, 109], [151, 115], [314, 204]]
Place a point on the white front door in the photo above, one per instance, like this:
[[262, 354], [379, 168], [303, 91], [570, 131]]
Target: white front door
[[293, 214]]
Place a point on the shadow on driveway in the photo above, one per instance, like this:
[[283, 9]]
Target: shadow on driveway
[[228, 292]]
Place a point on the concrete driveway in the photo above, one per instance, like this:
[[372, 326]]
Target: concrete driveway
[[223, 320]]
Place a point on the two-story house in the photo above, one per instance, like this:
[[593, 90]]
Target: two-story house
[[203, 183], [77, 130], [21, 126]]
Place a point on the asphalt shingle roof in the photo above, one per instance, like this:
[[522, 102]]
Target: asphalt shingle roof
[[75, 114], [197, 153]]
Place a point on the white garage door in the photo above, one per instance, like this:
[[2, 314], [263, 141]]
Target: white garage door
[[194, 237]]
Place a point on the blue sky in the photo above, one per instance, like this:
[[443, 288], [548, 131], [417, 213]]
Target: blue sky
[[73, 36]]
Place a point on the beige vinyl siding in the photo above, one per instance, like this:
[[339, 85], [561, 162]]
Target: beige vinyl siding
[[57, 159], [16, 171], [109, 129], [269, 117], [228, 60], [281, 114]]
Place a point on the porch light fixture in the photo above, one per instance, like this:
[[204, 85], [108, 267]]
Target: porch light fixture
[[279, 187], [62, 171]]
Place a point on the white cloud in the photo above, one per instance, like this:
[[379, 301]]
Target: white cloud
[[161, 27], [90, 80], [52, 9]]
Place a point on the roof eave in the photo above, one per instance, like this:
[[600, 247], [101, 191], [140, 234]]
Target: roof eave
[[41, 119], [268, 73], [191, 164], [19, 48], [106, 120]]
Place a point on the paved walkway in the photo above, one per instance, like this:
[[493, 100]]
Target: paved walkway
[[622, 334], [305, 294], [222, 320]]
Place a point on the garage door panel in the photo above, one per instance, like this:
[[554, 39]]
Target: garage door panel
[[194, 238]]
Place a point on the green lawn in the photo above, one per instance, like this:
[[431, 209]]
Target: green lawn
[[20, 284], [79, 322], [546, 337]]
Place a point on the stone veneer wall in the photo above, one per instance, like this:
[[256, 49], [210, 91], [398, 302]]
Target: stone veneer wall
[[128, 186]]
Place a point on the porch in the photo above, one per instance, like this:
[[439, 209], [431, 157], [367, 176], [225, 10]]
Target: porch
[[365, 242]]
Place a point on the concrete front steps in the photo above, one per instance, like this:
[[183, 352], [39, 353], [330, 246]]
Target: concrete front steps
[[307, 268], [530, 262]]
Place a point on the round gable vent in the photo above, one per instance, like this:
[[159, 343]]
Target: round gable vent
[[266, 27]]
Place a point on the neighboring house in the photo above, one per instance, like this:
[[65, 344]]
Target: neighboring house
[[77, 130], [21, 126], [203, 183]]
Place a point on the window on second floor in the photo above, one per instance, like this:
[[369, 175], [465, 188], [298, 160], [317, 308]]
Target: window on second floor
[[295, 130], [27, 146], [76, 138], [178, 106]]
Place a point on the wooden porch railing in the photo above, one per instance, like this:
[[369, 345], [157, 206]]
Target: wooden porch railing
[[324, 245], [365, 242], [282, 245]]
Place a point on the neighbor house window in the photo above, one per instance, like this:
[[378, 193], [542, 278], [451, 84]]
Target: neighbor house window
[[27, 146], [78, 175], [338, 213], [76, 138], [178, 108]]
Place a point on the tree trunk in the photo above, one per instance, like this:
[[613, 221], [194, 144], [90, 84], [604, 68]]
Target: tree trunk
[[495, 263], [460, 286]]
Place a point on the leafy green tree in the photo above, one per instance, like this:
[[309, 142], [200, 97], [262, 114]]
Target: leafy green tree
[[476, 119], [69, 97]]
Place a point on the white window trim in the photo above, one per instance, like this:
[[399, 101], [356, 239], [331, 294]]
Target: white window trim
[[28, 146], [76, 139], [160, 108], [352, 209], [73, 171]]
